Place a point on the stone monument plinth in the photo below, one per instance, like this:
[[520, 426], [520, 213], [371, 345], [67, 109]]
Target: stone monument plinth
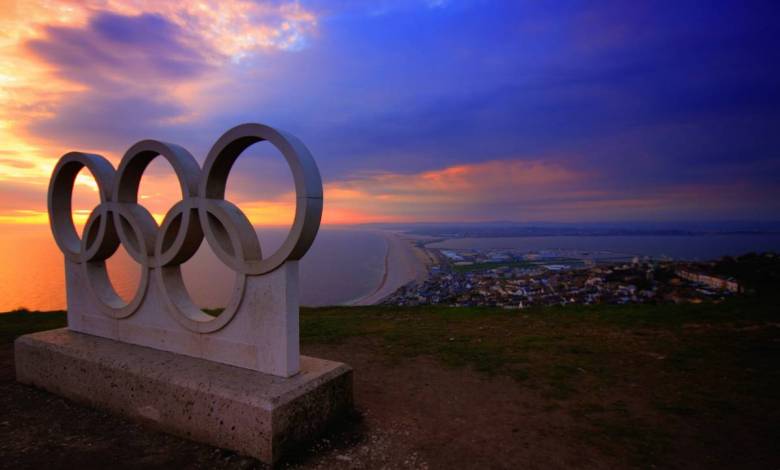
[[235, 380]]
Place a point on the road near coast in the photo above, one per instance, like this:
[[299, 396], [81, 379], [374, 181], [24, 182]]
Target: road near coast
[[404, 263]]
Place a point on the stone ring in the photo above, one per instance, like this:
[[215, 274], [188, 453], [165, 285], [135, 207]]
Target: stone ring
[[202, 212]]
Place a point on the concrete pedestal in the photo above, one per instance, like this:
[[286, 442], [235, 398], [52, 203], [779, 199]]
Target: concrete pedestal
[[250, 412]]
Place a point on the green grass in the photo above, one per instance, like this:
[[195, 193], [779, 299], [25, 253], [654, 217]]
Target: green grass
[[498, 341], [493, 338]]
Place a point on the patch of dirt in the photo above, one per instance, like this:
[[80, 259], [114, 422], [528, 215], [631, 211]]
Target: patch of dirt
[[421, 414]]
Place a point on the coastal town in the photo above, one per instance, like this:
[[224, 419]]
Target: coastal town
[[515, 279]]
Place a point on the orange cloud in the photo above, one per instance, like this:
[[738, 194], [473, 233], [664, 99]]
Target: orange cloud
[[521, 190], [453, 187], [512, 189], [31, 89]]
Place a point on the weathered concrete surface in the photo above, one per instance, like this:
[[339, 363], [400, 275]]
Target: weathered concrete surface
[[255, 414], [262, 332]]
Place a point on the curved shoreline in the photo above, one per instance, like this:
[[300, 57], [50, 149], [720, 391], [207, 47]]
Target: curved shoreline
[[402, 265], [365, 298]]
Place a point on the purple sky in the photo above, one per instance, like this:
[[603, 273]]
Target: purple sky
[[418, 110]]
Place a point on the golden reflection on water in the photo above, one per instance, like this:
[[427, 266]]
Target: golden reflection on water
[[32, 273], [31, 270], [342, 265]]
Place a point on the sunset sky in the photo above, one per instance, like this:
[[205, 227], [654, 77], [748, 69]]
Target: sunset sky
[[415, 110]]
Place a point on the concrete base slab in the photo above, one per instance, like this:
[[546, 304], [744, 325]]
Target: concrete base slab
[[252, 413]]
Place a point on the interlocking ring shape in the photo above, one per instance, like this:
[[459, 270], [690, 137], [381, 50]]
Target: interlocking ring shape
[[202, 212]]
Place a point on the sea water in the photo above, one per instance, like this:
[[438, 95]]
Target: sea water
[[341, 265]]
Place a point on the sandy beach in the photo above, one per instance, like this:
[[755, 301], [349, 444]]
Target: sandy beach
[[404, 263]]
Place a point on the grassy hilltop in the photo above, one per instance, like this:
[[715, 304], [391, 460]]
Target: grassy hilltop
[[650, 385]]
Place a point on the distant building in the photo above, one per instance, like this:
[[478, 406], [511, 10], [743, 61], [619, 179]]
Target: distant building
[[452, 255], [556, 267], [463, 263], [709, 280]]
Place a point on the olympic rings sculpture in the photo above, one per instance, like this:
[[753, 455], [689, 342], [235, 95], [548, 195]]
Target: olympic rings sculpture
[[202, 212]]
